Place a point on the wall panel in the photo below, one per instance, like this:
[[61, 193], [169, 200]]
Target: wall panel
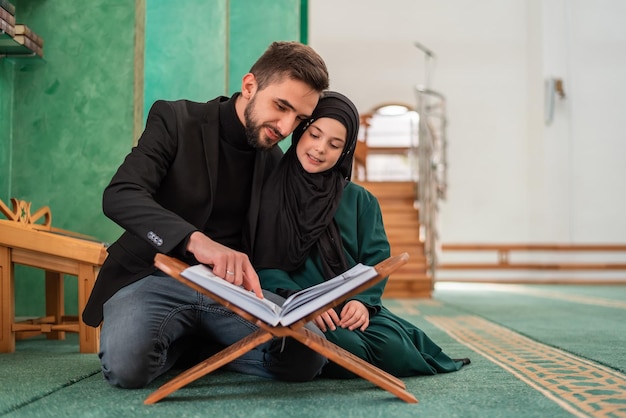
[[253, 26], [185, 50]]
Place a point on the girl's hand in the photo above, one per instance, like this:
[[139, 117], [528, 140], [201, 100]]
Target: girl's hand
[[327, 320], [354, 315]]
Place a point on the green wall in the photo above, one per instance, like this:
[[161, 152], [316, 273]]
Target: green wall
[[72, 120], [73, 113], [67, 121], [185, 50], [6, 101], [254, 24], [208, 54]]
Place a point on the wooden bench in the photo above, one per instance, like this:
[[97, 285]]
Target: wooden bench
[[56, 251], [502, 259]]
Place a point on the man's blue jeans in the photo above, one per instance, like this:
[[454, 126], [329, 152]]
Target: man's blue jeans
[[157, 322]]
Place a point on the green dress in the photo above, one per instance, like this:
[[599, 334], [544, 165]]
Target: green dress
[[389, 342]]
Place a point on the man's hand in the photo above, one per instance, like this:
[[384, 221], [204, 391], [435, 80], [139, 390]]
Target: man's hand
[[233, 266], [354, 315]]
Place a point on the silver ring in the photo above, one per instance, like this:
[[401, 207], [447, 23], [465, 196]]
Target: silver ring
[[230, 272]]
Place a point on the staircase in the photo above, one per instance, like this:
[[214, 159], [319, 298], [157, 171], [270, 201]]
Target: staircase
[[401, 219], [408, 229]]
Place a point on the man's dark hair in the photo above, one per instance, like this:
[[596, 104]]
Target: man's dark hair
[[293, 60]]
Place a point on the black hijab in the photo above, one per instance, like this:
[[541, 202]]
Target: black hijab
[[297, 208]]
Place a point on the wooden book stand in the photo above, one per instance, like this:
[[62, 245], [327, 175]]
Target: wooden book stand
[[334, 353]]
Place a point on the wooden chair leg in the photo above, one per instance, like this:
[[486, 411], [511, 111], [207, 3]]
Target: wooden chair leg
[[7, 302], [54, 302], [89, 337]]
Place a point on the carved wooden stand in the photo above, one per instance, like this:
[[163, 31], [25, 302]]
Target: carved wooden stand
[[384, 380]]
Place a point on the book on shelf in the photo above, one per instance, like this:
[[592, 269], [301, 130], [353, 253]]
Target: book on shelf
[[297, 306], [8, 6], [7, 28], [8, 17], [21, 29], [29, 43]]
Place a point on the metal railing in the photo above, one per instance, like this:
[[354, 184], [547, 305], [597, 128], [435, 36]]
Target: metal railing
[[431, 154]]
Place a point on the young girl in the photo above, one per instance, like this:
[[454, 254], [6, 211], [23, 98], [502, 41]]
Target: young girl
[[314, 224]]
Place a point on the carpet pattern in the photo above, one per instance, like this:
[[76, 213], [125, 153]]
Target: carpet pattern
[[579, 386]]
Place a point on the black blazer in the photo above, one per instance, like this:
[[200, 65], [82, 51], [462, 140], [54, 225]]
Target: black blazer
[[164, 191]]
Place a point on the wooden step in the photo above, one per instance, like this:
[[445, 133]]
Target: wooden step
[[397, 204], [415, 249], [415, 268], [415, 260], [401, 219], [391, 190], [401, 212], [416, 254], [407, 220], [403, 236], [411, 287], [409, 274]]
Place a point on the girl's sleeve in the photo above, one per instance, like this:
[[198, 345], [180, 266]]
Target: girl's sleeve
[[372, 244]]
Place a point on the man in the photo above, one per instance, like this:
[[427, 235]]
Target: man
[[185, 191]]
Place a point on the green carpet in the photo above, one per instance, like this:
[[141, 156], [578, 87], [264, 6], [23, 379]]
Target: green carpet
[[537, 351], [589, 321], [39, 368]]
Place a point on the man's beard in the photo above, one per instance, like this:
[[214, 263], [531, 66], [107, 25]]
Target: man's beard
[[253, 129]]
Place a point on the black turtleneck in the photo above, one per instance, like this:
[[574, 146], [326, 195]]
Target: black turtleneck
[[234, 179]]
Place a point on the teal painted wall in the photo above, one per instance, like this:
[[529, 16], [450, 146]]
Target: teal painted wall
[[185, 50], [72, 112], [218, 42], [6, 101], [254, 24], [208, 54], [72, 121]]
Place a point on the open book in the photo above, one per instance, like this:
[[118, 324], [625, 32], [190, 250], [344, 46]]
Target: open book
[[295, 307]]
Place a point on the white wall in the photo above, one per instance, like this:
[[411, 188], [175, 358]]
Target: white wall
[[511, 177]]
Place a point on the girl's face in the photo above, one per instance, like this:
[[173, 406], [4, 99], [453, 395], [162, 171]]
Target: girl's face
[[321, 145]]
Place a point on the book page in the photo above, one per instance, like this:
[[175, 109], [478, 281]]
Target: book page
[[264, 309], [313, 292], [309, 300]]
